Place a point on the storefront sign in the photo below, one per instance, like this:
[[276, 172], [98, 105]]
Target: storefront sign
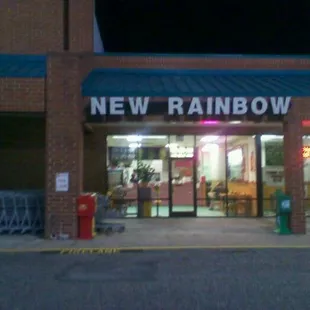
[[196, 106]]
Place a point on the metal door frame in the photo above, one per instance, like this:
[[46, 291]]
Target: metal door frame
[[194, 166]]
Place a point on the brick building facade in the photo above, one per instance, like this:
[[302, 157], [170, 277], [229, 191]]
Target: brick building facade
[[45, 59]]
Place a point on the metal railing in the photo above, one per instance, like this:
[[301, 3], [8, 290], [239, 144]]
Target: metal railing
[[227, 207], [21, 212], [159, 207], [238, 207], [205, 208]]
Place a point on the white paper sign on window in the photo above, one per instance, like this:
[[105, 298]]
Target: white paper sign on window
[[62, 182], [182, 152]]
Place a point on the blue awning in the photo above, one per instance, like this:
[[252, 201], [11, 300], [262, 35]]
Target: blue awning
[[190, 83], [22, 66]]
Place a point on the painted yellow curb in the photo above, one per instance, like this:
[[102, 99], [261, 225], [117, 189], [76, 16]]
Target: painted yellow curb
[[115, 250]]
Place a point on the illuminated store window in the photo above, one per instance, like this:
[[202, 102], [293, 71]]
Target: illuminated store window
[[182, 172], [272, 170], [241, 176], [306, 158], [125, 153], [211, 175]]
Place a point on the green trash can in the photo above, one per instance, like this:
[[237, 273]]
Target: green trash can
[[284, 211]]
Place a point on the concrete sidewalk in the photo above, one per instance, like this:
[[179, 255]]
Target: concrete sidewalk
[[171, 233]]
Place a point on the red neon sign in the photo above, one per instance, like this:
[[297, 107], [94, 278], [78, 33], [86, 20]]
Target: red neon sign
[[306, 123], [306, 152]]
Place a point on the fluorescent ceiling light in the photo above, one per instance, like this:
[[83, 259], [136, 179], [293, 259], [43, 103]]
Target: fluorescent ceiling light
[[137, 138], [134, 138], [210, 147], [155, 137], [134, 145], [209, 138], [172, 145], [270, 137]]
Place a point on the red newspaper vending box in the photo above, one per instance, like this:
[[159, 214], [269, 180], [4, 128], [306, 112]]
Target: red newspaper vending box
[[86, 209]]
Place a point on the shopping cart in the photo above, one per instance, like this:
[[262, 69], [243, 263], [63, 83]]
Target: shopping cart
[[108, 208]]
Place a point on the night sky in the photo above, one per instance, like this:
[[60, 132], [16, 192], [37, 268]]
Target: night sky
[[220, 27]]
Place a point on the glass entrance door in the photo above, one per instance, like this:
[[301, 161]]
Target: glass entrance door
[[182, 187]]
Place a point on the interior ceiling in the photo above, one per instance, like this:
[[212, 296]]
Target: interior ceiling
[[188, 141]]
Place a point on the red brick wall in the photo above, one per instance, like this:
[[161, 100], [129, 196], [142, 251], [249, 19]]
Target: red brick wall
[[36, 26], [22, 95], [293, 160], [31, 26], [64, 136], [81, 25]]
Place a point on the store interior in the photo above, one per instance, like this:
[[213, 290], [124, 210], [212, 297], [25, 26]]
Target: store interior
[[219, 172]]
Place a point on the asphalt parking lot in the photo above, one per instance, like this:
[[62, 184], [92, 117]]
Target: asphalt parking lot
[[181, 279]]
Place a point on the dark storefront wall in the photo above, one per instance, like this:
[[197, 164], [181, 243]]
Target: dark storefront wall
[[22, 152]]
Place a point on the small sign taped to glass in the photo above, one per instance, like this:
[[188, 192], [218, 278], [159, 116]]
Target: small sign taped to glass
[[62, 182], [286, 205], [181, 152]]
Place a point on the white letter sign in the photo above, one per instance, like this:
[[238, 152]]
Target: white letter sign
[[62, 182], [195, 106]]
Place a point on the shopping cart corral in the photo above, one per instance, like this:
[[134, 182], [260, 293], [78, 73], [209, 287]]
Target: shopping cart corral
[[21, 212]]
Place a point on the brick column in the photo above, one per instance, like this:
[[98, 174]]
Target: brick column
[[82, 25], [64, 142], [293, 160]]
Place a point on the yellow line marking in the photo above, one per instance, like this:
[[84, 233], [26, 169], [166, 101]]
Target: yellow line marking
[[89, 251], [115, 250]]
